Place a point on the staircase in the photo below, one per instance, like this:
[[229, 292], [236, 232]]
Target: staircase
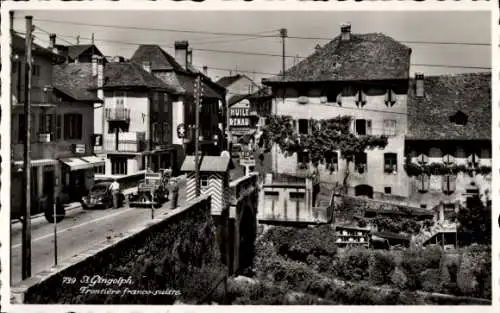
[[426, 236]]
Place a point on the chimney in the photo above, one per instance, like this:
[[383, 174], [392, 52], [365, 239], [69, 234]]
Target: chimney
[[181, 53], [98, 72], [205, 70], [419, 84], [146, 65], [345, 31], [52, 44], [190, 56]]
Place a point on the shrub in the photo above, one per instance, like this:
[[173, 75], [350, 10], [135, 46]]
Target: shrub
[[415, 261], [399, 279], [431, 280], [362, 223], [354, 264], [380, 267]]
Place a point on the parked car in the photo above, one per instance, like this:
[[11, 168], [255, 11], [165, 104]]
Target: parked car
[[100, 197]]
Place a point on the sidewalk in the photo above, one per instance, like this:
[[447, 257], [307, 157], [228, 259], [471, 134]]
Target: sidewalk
[[41, 216]]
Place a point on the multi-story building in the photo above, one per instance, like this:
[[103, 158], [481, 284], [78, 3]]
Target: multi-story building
[[448, 144], [135, 119], [180, 74], [364, 76], [62, 160], [237, 85], [76, 53]]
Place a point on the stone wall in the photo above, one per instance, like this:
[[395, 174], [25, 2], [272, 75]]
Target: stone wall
[[176, 256]]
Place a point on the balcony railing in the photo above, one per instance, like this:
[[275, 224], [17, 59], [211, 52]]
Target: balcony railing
[[127, 142], [117, 114]]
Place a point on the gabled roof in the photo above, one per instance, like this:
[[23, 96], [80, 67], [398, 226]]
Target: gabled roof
[[228, 80], [444, 96], [160, 60], [371, 56], [208, 164], [76, 81], [259, 94], [127, 74], [19, 45], [75, 51]]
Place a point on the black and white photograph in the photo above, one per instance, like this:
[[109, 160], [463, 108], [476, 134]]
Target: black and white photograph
[[249, 157]]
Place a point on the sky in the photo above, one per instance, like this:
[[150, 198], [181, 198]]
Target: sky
[[261, 35]]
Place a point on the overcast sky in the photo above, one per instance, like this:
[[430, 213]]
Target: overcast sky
[[457, 27]]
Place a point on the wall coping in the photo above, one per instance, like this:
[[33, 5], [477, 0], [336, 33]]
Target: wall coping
[[235, 183], [18, 290]]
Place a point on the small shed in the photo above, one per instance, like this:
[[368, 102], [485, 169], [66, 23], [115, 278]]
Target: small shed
[[214, 179]]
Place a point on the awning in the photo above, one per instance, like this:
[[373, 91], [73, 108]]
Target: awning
[[38, 162], [76, 164], [94, 160]]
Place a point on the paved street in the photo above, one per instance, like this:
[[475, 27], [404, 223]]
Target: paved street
[[79, 231]]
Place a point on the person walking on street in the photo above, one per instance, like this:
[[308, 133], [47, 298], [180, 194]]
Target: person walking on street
[[115, 188]]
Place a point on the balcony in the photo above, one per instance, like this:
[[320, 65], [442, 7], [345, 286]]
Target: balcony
[[127, 142], [117, 114]]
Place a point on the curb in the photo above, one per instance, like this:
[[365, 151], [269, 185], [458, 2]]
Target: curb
[[68, 209]]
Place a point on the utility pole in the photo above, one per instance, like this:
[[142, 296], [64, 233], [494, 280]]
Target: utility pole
[[26, 237], [283, 35], [197, 102]]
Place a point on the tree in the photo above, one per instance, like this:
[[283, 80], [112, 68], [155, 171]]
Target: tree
[[475, 220], [325, 137]]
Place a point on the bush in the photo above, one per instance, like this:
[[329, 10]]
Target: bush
[[416, 261], [354, 264], [362, 223], [380, 268], [399, 279], [474, 273], [431, 280]]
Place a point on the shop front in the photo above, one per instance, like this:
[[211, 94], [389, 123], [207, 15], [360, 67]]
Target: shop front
[[78, 176]]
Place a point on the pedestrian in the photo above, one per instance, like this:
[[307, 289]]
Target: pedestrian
[[315, 182], [115, 189]]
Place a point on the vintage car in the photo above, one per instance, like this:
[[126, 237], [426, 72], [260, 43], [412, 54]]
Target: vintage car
[[100, 197]]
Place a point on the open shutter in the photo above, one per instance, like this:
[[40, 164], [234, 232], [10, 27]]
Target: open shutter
[[58, 126], [424, 181], [339, 99], [368, 127]]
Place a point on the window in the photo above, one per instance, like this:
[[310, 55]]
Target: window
[[297, 196], [302, 159], [118, 166], [448, 184], [390, 127], [390, 98], [387, 190], [156, 102], [423, 183], [35, 69], [59, 127], [165, 132], [303, 126], [204, 180], [390, 163], [100, 170], [46, 124], [120, 98], [334, 166], [154, 131], [363, 127], [360, 163], [118, 128], [73, 126], [360, 99], [459, 118]]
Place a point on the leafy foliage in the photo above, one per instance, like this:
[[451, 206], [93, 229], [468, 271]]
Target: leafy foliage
[[324, 137], [475, 221], [397, 224], [381, 267]]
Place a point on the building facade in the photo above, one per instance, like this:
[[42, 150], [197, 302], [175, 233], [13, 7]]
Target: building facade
[[179, 73], [448, 144], [62, 160], [364, 76], [135, 120]]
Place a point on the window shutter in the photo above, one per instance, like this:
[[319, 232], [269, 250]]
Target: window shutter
[[41, 123], [353, 126], [58, 126], [339, 99], [368, 127], [424, 181]]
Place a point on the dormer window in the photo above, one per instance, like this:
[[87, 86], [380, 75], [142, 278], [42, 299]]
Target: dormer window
[[459, 118], [448, 160], [360, 99], [390, 98], [422, 159]]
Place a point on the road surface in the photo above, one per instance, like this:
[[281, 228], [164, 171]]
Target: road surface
[[78, 232]]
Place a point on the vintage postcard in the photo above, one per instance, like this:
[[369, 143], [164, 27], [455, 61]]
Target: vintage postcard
[[164, 156]]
